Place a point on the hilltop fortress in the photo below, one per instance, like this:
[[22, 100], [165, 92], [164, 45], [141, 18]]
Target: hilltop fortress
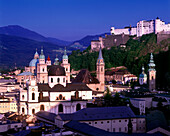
[[119, 37]]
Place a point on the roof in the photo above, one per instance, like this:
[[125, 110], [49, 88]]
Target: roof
[[48, 58], [25, 74], [46, 115], [100, 113], [61, 88], [33, 62], [56, 70], [23, 133], [88, 130], [84, 76]]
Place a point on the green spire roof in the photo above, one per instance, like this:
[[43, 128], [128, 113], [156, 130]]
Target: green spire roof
[[65, 54], [42, 54], [56, 61], [151, 63], [142, 75]]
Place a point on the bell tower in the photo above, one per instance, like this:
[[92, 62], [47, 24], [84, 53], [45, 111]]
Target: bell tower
[[152, 74], [66, 65], [100, 72], [42, 74]]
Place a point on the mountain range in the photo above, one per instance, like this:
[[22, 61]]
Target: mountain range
[[18, 44]]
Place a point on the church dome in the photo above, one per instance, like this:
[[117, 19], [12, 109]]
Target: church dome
[[56, 70], [142, 75], [33, 62]]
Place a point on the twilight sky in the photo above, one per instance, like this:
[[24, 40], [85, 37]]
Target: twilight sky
[[73, 19]]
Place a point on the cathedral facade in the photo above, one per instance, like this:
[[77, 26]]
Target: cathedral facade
[[51, 89]]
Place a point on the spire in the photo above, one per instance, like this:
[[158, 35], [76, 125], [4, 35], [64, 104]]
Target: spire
[[36, 55], [56, 61], [151, 63], [100, 57], [65, 54], [42, 54]]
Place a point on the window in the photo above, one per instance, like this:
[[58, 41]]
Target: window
[[66, 69], [60, 108], [51, 80], [119, 129], [119, 120], [95, 122], [125, 120], [125, 128], [43, 69], [64, 80], [22, 97], [60, 97], [33, 96], [102, 69], [89, 122], [102, 122], [23, 110], [113, 129], [108, 129], [58, 80], [107, 121], [33, 111], [78, 107], [42, 107], [113, 121]]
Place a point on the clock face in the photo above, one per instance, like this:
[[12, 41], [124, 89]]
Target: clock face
[[33, 89]]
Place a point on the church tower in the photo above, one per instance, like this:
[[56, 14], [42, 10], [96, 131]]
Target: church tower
[[48, 62], [143, 77], [100, 72], [152, 74], [66, 65], [42, 74]]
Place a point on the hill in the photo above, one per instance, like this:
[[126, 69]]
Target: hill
[[16, 30], [86, 41], [136, 54], [19, 50]]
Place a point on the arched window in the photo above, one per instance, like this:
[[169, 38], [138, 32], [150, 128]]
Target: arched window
[[51, 80], [58, 80], [78, 107], [22, 97], [23, 110], [102, 69], [43, 69], [42, 107], [33, 96], [60, 97], [60, 108], [66, 69], [63, 79], [33, 111], [152, 77]]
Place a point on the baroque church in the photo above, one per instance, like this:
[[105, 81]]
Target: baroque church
[[51, 89]]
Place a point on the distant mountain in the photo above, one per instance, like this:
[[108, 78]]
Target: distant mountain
[[16, 30], [86, 41], [20, 50]]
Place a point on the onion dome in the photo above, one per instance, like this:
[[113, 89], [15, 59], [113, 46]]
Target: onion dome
[[151, 63], [36, 55], [56, 61], [56, 70], [65, 54], [143, 75], [42, 55], [48, 59]]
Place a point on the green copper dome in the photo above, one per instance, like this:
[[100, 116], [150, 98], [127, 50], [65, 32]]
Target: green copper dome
[[42, 55], [65, 54]]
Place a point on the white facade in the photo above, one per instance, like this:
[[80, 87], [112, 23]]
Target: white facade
[[138, 103], [144, 27]]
